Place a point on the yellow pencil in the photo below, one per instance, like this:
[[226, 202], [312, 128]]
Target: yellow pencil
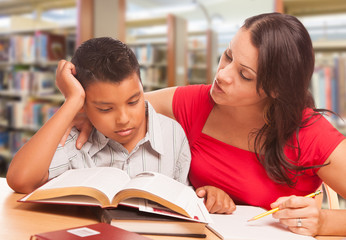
[[277, 209]]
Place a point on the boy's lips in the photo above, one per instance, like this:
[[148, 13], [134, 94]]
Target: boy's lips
[[124, 132]]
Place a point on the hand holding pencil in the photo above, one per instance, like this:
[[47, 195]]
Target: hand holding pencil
[[277, 209]]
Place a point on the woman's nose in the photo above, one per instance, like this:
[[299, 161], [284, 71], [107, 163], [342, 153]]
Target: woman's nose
[[224, 75]]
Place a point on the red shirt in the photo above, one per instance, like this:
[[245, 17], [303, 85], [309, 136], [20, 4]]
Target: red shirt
[[237, 171]]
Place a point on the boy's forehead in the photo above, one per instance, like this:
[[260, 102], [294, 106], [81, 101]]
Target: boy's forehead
[[114, 91]]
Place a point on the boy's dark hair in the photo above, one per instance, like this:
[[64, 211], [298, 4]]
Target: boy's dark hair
[[104, 59]]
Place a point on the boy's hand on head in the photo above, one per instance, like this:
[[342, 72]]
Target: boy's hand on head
[[216, 200], [74, 93], [68, 85]]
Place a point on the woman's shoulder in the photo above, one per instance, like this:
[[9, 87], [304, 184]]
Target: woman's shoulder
[[314, 119], [317, 128], [192, 93], [194, 89]]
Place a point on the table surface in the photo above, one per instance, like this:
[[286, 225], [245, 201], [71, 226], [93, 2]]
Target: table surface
[[21, 220]]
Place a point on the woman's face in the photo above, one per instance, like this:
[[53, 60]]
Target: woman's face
[[235, 81]]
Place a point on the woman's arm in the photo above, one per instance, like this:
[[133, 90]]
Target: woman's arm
[[29, 167], [333, 222], [314, 220], [162, 100]]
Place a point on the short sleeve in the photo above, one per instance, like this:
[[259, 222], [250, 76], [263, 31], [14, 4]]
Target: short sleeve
[[318, 139], [63, 155]]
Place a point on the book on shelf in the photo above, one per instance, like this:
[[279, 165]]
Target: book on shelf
[[50, 47], [4, 49], [96, 231], [43, 83], [22, 49], [148, 223], [236, 226], [107, 187]]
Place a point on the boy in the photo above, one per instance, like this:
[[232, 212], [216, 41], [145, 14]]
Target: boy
[[127, 134]]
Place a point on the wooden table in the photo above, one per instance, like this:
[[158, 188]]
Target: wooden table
[[18, 221]]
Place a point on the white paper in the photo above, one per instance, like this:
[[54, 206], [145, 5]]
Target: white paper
[[83, 232], [236, 226]]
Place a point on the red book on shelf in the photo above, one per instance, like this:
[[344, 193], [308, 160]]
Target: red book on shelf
[[98, 231]]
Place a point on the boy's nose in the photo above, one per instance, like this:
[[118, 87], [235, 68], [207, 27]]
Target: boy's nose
[[122, 118]]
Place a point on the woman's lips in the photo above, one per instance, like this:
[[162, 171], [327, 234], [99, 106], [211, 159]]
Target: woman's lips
[[217, 87]]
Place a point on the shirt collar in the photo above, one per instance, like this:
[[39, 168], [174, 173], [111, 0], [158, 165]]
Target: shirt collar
[[153, 135]]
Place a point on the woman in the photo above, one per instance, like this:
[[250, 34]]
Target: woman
[[255, 134]]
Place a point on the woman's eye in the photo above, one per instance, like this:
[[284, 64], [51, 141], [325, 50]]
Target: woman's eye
[[243, 77], [228, 57]]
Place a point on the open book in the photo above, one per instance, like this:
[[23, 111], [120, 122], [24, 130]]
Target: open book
[[107, 187]]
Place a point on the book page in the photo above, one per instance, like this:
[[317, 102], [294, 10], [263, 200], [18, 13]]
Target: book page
[[236, 226], [200, 215], [106, 179], [166, 188]]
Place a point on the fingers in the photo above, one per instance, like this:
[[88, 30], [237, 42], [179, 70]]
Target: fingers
[[63, 64], [201, 192], [300, 214], [304, 226], [219, 204], [297, 207], [217, 201], [279, 201], [84, 134], [297, 202]]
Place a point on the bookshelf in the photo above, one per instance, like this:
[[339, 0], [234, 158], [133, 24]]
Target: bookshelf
[[202, 57], [328, 84], [28, 96], [162, 56]]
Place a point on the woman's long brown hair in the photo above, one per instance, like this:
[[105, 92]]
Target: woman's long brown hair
[[285, 66]]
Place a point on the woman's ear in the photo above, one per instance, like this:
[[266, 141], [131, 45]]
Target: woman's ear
[[274, 94]]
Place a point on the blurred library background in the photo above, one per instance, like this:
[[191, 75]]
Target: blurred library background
[[177, 43]]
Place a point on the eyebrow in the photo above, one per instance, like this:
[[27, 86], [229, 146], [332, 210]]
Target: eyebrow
[[248, 68], [229, 48], [109, 103]]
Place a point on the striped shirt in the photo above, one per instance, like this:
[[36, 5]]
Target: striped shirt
[[164, 149]]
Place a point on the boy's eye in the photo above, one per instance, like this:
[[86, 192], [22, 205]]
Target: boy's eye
[[134, 102], [104, 109]]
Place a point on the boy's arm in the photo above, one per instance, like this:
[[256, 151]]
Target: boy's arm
[[29, 167]]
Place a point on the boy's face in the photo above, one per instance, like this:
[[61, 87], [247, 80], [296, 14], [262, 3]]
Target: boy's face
[[117, 110]]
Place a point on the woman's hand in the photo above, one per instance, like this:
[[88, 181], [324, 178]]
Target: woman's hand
[[84, 126], [300, 214], [216, 200]]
